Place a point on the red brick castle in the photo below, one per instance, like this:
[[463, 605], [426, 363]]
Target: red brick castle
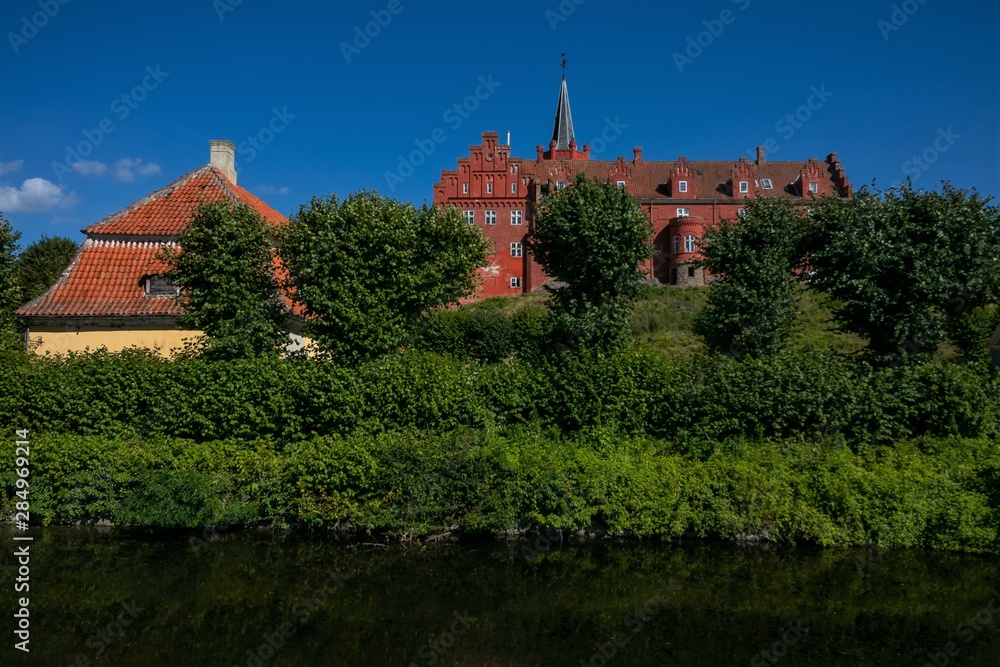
[[499, 193]]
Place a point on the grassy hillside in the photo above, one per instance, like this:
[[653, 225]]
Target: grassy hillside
[[664, 319]]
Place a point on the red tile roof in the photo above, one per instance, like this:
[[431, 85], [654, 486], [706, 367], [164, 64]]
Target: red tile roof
[[106, 278], [167, 211], [649, 179], [107, 275]]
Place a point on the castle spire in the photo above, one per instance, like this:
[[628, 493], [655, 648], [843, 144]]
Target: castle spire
[[562, 130]]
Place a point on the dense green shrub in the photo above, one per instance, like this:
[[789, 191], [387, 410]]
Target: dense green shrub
[[939, 493]]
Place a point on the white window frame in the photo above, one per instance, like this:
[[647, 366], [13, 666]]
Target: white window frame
[[491, 217], [767, 183], [682, 186], [516, 249], [744, 187], [690, 243], [515, 282], [621, 185], [465, 188], [517, 217], [489, 187], [813, 188], [560, 185], [513, 187], [677, 245], [683, 213], [470, 216]]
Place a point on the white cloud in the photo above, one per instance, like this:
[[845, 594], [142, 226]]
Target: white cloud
[[127, 168], [271, 190], [35, 194], [90, 168], [10, 167]]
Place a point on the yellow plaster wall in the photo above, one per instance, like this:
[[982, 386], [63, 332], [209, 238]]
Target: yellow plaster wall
[[43, 341]]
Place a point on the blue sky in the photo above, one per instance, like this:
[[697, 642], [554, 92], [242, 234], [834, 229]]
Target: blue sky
[[142, 86]]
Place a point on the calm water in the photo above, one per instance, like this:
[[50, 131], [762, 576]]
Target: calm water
[[113, 597]]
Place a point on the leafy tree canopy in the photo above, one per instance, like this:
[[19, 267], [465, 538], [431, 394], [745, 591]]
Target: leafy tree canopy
[[41, 263], [911, 267], [368, 267], [9, 293], [750, 309], [225, 271], [594, 237]]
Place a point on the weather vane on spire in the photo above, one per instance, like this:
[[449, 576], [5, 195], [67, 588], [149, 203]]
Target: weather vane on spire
[[564, 62]]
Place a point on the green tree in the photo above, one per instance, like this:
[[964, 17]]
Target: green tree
[[593, 237], [368, 267], [9, 292], [41, 263], [911, 267], [750, 308], [225, 271]]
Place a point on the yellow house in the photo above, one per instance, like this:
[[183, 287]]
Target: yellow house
[[112, 294]]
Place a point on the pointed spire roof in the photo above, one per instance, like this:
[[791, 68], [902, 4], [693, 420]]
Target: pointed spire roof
[[562, 130]]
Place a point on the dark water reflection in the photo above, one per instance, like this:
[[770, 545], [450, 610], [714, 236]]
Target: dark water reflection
[[183, 601]]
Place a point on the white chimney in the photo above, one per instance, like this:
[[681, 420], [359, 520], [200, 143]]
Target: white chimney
[[223, 157]]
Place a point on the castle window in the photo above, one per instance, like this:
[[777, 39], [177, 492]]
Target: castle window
[[767, 183], [489, 188], [677, 245], [813, 187], [683, 212], [560, 185], [517, 217], [744, 187], [470, 217], [160, 286], [682, 186], [516, 250], [689, 245], [491, 217], [515, 283], [621, 185], [465, 188], [513, 188], [690, 272]]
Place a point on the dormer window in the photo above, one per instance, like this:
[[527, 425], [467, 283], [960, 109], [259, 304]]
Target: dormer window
[[767, 183], [158, 286], [682, 186], [813, 187], [560, 185], [744, 187], [621, 185]]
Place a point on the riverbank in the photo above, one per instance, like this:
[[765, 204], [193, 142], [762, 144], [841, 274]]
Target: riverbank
[[925, 493]]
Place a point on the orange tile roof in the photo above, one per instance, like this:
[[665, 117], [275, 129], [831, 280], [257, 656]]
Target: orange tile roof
[[107, 275], [167, 211], [106, 278]]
